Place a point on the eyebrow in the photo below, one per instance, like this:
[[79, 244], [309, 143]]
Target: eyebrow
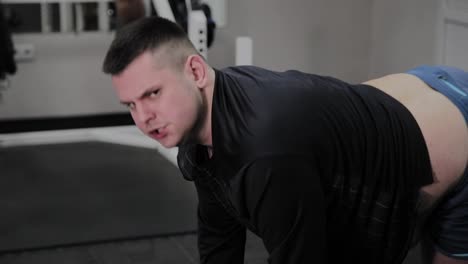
[[146, 93]]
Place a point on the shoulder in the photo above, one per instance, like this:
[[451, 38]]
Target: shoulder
[[258, 111], [268, 75]]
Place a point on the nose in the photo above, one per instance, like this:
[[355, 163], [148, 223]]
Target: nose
[[144, 114]]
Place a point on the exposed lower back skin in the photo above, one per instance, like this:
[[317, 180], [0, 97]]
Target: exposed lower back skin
[[445, 132], [442, 124]]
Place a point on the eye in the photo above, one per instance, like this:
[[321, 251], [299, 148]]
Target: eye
[[154, 93], [130, 106]]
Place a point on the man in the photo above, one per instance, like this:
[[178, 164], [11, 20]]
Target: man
[[322, 170]]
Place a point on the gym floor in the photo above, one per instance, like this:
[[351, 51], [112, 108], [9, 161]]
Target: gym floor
[[178, 248], [33, 179], [167, 250]]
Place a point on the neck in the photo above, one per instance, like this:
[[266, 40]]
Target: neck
[[206, 137]]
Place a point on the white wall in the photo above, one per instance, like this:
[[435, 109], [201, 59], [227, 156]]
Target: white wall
[[351, 40], [404, 35], [407, 33], [453, 34], [222, 53], [321, 36], [64, 79]]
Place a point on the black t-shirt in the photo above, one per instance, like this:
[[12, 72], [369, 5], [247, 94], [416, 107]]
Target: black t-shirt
[[322, 170]]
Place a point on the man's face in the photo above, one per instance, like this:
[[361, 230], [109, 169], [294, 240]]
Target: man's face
[[163, 101]]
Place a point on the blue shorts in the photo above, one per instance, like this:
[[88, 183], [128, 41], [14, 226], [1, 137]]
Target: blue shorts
[[449, 223]]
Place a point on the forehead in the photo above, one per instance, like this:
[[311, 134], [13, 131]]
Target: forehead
[[145, 72], [142, 68], [144, 63], [142, 73]]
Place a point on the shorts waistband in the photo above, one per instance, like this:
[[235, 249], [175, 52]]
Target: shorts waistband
[[451, 82]]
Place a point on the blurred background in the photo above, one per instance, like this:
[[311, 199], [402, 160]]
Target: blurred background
[[59, 116], [60, 44]]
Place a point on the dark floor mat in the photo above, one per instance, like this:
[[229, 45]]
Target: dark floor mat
[[62, 194], [180, 249]]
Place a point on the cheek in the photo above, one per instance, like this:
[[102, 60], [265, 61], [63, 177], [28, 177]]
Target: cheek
[[186, 112], [136, 121]]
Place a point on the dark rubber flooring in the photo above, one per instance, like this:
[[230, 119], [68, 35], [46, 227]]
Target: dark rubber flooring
[[78, 193], [100, 203], [168, 250]]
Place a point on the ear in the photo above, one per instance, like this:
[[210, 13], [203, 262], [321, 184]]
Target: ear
[[197, 68]]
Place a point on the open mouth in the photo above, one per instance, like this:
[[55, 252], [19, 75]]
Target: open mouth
[[157, 133]]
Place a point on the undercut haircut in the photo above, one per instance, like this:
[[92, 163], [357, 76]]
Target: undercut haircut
[[147, 34]]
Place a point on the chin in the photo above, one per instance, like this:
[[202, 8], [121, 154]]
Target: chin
[[169, 143], [166, 144]]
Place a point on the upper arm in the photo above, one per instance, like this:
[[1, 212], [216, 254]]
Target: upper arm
[[288, 209], [221, 238]]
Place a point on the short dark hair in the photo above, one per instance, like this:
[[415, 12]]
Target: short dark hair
[[137, 37]]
